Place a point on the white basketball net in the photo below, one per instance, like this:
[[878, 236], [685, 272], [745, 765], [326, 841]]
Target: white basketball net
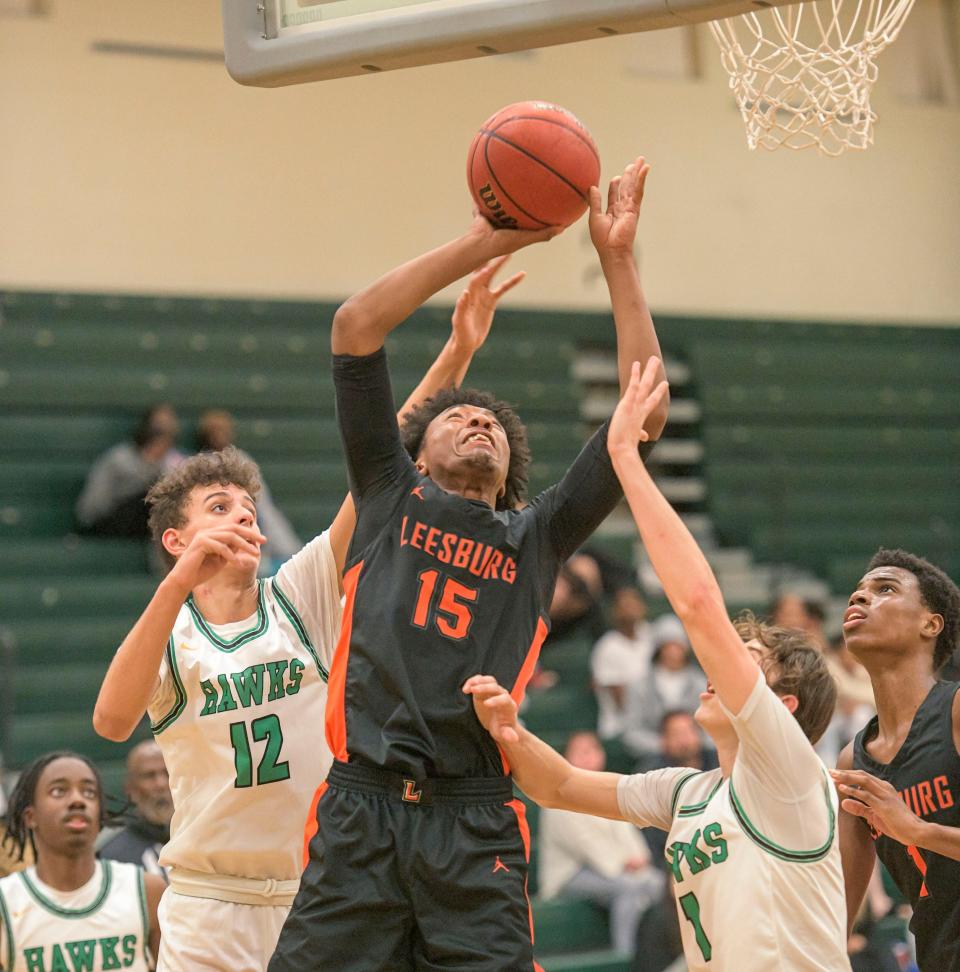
[[802, 75]]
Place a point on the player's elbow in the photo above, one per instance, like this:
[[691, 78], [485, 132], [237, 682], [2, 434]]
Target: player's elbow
[[109, 726], [354, 331]]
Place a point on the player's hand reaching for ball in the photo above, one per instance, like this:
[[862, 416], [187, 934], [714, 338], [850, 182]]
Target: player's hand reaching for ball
[[475, 306], [494, 707], [210, 551], [643, 395], [614, 230]]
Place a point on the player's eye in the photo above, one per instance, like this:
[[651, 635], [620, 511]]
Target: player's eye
[[218, 506]]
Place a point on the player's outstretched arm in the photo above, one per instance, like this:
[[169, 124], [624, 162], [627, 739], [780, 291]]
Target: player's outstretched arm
[[687, 579], [613, 231], [540, 771], [133, 675], [470, 326], [857, 852], [363, 322]]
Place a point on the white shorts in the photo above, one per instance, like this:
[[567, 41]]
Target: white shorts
[[204, 935]]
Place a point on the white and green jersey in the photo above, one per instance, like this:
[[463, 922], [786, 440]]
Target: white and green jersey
[[239, 716], [102, 925], [754, 858]]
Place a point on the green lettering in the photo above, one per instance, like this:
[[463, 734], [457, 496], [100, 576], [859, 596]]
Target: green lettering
[[249, 685], [296, 674], [57, 962], [82, 954], [696, 858], [129, 946], [276, 670], [210, 697], [108, 952], [713, 835], [691, 909], [227, 703], [676, 855], [242, 761], [34, 959]]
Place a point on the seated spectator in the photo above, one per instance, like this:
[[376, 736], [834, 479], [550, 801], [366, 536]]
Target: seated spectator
[[111, 503], [855, 704], [215, 431], [575, 607], [147, 826], [675, 682], [620, 658], [682, 744], [792, 611], [606, 861]]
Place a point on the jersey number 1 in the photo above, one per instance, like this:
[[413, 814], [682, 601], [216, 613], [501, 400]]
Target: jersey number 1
[[270, 769], [691, 910], [452, 614]]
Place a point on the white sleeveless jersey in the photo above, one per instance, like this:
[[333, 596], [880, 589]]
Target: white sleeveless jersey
[[754, 858], [239, 716], [102, 925]]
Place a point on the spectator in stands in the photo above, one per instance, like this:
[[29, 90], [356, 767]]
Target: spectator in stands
[[682, 744], [675, 682], [111, 503], [792, 611], [215, 431], [575, 608], [855, 704], [620, 658], [606, 861], [147, 828]]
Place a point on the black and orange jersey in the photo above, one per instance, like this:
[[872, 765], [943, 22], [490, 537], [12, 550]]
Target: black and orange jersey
[[926, 774], [438, 588]]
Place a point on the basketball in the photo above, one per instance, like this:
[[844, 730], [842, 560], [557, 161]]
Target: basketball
[[531, 165]]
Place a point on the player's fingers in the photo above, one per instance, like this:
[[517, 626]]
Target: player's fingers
[[855, 808], [476, 681], [641, 180], [508, 284], [485, 273], [613, 193], [594, 197]]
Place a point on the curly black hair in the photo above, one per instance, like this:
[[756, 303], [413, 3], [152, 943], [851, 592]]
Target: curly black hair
[[18, 834], [938, 593], [414, 427]]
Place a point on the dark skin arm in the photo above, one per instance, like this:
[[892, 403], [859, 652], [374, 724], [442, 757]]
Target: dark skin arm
[[154, 885], [857, 852]]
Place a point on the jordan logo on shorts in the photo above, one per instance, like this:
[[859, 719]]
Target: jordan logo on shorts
[[410, 792], [499, 865]]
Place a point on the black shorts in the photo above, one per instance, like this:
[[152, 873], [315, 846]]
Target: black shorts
[[411, 876]]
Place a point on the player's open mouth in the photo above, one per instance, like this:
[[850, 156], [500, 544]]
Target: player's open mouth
[[77, 821], [853, 617], [481, 439]]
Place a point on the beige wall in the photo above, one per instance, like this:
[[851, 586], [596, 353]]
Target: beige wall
[[146, 175]]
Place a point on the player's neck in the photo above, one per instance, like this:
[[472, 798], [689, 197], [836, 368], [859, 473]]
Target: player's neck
[[225, 599], [898, 691], [468, 489], [65, 873], [727, 755]]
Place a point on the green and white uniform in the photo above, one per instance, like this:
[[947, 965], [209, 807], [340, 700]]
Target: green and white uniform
[[238, 713], [102, 925], [755, 858]]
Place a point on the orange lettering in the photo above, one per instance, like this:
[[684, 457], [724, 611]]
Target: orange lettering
[[430, 544], [925, 792], [403, 529], [449, 539], [509, 572], [942, 789], [416, 538], [462, 557], [495, 561]]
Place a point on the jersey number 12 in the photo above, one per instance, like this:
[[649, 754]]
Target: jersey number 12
[[270, 769]]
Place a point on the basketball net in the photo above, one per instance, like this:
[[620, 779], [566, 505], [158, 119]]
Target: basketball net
[[802, 75]]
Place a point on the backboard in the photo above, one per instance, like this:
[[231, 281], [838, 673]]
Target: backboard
[[270, 43]]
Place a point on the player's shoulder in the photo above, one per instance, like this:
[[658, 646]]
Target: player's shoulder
[[693, 789]]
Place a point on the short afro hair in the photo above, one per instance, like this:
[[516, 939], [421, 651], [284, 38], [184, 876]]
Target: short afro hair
[[414, 427], [938, 593]]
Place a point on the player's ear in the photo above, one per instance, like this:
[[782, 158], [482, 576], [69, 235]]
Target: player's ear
[[29, 817], [791, 702], [172, 542], [932, 625]]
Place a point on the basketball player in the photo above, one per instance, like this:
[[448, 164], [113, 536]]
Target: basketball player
[[751, 845], [71, 911], [900, 777], [420, 855], [233, 674]]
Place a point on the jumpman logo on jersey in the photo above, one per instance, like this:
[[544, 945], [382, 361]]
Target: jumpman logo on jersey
[[418, 492], [499, 866]]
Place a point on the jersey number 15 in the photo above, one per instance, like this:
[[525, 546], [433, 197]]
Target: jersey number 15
[[444, 602]]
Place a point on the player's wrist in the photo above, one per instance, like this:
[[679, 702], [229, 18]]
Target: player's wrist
[[174, 585]]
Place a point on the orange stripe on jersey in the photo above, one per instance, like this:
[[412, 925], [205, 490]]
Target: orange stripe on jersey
[[336, 723], [521, 811], [311, 827], [526, 673]]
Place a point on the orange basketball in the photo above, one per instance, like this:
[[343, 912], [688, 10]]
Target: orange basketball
[[531, 165]]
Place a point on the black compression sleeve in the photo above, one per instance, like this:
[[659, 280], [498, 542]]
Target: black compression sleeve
[[368, 422]]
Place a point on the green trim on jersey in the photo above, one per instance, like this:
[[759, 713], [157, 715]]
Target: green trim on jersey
[[180, 702], [764, 843], [675, 796], [293, 616], [695, 809], [7, 930], [142, 896], [54, 908], [259, 627]]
